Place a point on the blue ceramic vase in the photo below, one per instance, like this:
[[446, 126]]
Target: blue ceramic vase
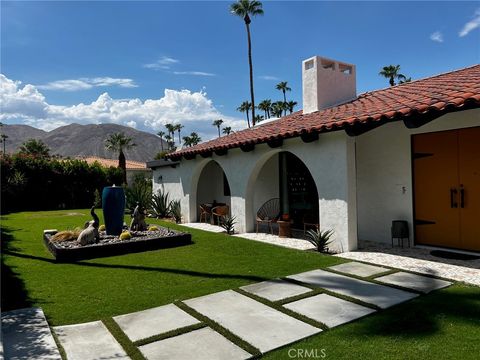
[[113, 205]]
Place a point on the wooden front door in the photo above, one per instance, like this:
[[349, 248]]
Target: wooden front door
[[446, 177]]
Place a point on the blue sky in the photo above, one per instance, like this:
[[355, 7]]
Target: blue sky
[[58, 59]]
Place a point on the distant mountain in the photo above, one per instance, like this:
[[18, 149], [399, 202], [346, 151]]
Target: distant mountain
[[84, 140]]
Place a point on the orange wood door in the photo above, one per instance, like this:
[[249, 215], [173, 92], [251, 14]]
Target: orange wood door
[[435, 167], [469, 171]]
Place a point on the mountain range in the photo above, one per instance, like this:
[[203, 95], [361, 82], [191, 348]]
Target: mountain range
[[84, 140]]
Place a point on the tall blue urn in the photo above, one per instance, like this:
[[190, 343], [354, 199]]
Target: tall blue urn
[[113, 205]]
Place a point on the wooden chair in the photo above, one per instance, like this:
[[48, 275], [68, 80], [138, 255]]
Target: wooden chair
[[269, 213], [205, 212], [219, 212]]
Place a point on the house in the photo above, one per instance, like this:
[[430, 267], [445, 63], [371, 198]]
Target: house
[[133, 167], [355, 163]]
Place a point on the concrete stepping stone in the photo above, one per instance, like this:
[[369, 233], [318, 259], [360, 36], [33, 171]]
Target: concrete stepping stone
[[143, 324], [382, 296], [329, 310], [275, 289], [89, 341], [202, 344], [262, 326], [26, 335], [358, 269], [419, 283]]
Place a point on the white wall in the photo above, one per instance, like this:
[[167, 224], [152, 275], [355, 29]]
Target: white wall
[[168, 180], [267, 184], [384, 174]]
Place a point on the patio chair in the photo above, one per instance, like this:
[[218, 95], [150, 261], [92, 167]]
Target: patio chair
[[310, 221], [205, 212], [219, 212], [269, 213]]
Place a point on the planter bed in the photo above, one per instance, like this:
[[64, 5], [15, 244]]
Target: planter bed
[[111, 245]]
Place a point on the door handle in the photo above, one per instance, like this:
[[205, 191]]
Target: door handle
[[453, 195], [462, 196]]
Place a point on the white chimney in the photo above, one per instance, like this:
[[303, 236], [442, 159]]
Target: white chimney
[[327, 83]]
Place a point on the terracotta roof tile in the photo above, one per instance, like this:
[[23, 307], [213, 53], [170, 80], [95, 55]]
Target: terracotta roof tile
[[131, 165], [434, 95]]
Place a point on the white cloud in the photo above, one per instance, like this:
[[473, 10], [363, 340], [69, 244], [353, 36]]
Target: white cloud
[[471, 25], [269, 77], [195, 73], [437, 36], [87, 83], [164, 63], [193, 109]]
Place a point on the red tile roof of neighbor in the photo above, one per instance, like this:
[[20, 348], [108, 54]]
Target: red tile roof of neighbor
[[131, 165], [426, 98]]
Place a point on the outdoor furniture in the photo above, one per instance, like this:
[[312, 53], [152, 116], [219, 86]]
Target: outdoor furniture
[[400, 231], [284, 228], [219, 212], [310, 222], [269, 213], [205, 212]]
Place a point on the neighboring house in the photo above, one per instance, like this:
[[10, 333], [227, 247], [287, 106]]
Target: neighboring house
[[133, 167], [353, 163]]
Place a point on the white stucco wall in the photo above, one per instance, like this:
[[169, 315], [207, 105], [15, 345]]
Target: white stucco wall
[[384, 173], [267, 184], [168, 180]]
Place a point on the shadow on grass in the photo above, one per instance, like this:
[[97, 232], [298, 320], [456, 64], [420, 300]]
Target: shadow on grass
[[13, 292]]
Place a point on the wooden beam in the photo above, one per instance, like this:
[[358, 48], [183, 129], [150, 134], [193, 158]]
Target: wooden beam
[[247, 147], [221, 152], [275, 143], [206, 154], [309, 137]]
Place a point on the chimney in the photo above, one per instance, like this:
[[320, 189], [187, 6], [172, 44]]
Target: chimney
[[327, 83]]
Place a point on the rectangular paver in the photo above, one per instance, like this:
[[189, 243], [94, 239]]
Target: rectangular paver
[[329, 310], [275, 289], [419, 283], [89, 341], [358, 269], [26, 335], [159, 320], [262, 326], [382, 296], [202, 344]]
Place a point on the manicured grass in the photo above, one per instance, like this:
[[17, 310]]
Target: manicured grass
[[99, 288], [442, 325]]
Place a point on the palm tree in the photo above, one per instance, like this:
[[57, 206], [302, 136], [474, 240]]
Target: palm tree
[[283, 87], [4, 141], [392, 72], [245, 107], [291, 105], [187, 141], [227, 130], [179, 128], [119, 142], [169, 140], [218, 123], [195, 139], [277, 108], [258, 118], [245, 9], [171, 130], [35, 148], [403, 79], [161, 134], [265, 106]]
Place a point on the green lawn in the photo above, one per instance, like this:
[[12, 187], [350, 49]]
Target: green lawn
[[441, 325]]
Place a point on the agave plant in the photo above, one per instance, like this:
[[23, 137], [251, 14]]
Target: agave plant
[[228, 223], [320, 239], [160, 204], [175, 211]]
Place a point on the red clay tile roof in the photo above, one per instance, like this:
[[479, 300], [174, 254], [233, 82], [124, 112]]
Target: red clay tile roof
[[130, 165], [425, 98]]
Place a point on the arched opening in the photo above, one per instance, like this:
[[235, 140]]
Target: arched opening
[[286, 177], [213, 188]]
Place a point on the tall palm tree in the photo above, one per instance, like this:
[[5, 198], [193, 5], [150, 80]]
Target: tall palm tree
[[227, 130], [283, 87], [119, 142], [170, 141], [195, 139], [218, 123], [187, 141], [171, 130], [291, 105], [265, 106], [392, 72], [161, 134], [179, 128], [4, 141], [245, 9], [277, 108], [245, 107]]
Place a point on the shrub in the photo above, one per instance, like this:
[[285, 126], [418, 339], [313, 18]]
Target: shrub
[[228, 223], [176, 211], [125, 235], [140, 191], [160, 204], [153, 228], [320, 239]]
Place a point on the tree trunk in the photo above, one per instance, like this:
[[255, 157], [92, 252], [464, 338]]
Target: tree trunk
[[218, 127], [122, 164], [179, 141], [251, 72], [285, 102], [392, 81], [248, 119]]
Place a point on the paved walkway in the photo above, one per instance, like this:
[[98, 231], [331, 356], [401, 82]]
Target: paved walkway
[[231, 324]]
